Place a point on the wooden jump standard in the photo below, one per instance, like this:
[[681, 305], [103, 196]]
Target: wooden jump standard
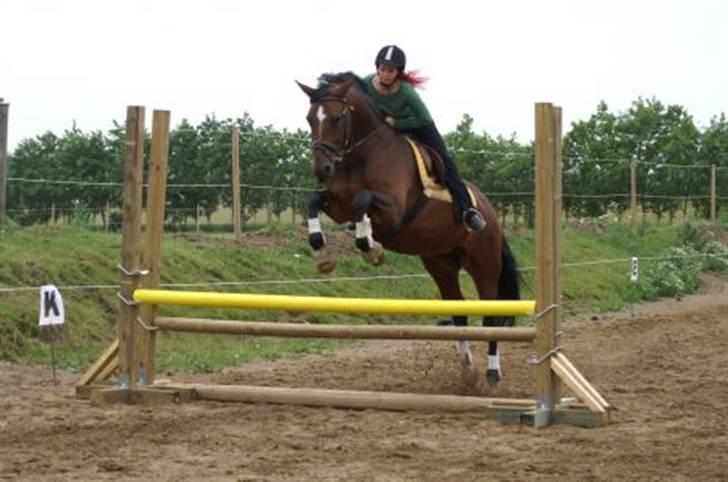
[[134, 351]]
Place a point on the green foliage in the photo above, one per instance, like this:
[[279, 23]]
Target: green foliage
[[678, 273], [703, 241], [500, 167], [275, 168], [660, 138], [673, 277], [77, 156]]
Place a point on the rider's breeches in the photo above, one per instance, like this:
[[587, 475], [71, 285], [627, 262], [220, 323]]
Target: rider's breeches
[[428, 134]]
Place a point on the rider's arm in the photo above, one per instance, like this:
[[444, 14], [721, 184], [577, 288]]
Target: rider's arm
[[416, 114]]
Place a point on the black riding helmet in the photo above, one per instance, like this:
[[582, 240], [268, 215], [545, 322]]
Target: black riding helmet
[[393, 55]]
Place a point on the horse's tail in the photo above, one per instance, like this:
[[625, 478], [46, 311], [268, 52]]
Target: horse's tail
[[509, 282]]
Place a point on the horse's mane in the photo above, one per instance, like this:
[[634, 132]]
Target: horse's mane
[[328, 79]]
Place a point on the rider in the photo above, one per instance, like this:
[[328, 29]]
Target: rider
[[393, 91]]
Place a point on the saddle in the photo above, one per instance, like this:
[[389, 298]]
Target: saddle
[[431, 169]]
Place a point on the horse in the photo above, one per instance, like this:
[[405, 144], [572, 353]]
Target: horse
[[369, 176]]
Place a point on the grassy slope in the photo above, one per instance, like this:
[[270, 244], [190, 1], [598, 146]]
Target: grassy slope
[[75, 256]]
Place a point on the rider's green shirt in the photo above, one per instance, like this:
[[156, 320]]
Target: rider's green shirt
[[405, 105]]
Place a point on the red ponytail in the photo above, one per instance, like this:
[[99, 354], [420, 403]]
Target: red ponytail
[[413, 77]]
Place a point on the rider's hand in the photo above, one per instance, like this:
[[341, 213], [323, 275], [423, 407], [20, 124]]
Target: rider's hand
[[389, 120]]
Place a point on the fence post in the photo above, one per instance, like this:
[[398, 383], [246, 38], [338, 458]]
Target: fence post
[[4, 107], [197, 218], [712, 193], [633, 192], [236, 181], [293, 209]]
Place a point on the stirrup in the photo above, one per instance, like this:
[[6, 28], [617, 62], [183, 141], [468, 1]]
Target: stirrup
[[473, 220]]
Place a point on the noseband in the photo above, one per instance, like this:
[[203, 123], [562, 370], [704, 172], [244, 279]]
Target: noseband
[[335, 152]]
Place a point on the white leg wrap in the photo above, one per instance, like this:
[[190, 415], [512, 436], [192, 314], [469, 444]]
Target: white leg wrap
[[314, 226], [494, 362], [464, 351], [364, 230]]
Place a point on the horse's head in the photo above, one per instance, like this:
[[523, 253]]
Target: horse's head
[[331, 118]]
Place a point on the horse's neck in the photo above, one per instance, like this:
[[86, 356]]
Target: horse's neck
[[365, 123], [385, 152], [386, 159]]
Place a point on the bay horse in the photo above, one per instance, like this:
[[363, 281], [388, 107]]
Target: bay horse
[[369, 176]]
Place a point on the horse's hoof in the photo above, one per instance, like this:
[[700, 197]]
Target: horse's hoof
[[325, 262], [469, 375], [493, 377], [326, 267], [375, 255]]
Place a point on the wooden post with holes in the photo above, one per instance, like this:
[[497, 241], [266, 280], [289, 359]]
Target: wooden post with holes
[[136, 343], [633, 192], [146, 339], [548, 200], [131, 246], [712, 193], [556, 232], [236, 181]]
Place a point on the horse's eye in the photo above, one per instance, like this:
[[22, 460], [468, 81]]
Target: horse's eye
[[336, 119]]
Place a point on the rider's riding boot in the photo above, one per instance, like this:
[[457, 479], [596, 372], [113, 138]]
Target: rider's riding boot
[[473, 220]]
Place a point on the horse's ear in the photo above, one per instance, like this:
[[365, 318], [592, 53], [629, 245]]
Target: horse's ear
[[306, 89]]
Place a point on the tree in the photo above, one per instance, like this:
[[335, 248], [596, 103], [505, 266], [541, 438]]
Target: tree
[[713, 149], [595, 164], [34, 159], [88, 158], [661, 137]]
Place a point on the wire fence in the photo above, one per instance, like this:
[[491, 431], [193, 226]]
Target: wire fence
[[269, 187], [98, 201], [302, 281]]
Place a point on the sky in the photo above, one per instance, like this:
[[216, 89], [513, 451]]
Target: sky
[[84, 61]]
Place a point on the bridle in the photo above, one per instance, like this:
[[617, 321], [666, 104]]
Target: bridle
[[335, 152]]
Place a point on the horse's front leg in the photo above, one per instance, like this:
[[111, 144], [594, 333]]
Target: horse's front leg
[[371, 250], [315, 202]]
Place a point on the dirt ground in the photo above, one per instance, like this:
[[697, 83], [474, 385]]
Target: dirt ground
[[663, 365]]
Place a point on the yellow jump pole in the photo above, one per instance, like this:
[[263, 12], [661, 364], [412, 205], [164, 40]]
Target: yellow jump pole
[[336, 305]]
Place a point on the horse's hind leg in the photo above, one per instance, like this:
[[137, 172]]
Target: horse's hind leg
[[315, 202], [485, 274], [445, 271]]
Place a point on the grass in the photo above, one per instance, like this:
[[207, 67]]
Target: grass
[[68, 256]]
